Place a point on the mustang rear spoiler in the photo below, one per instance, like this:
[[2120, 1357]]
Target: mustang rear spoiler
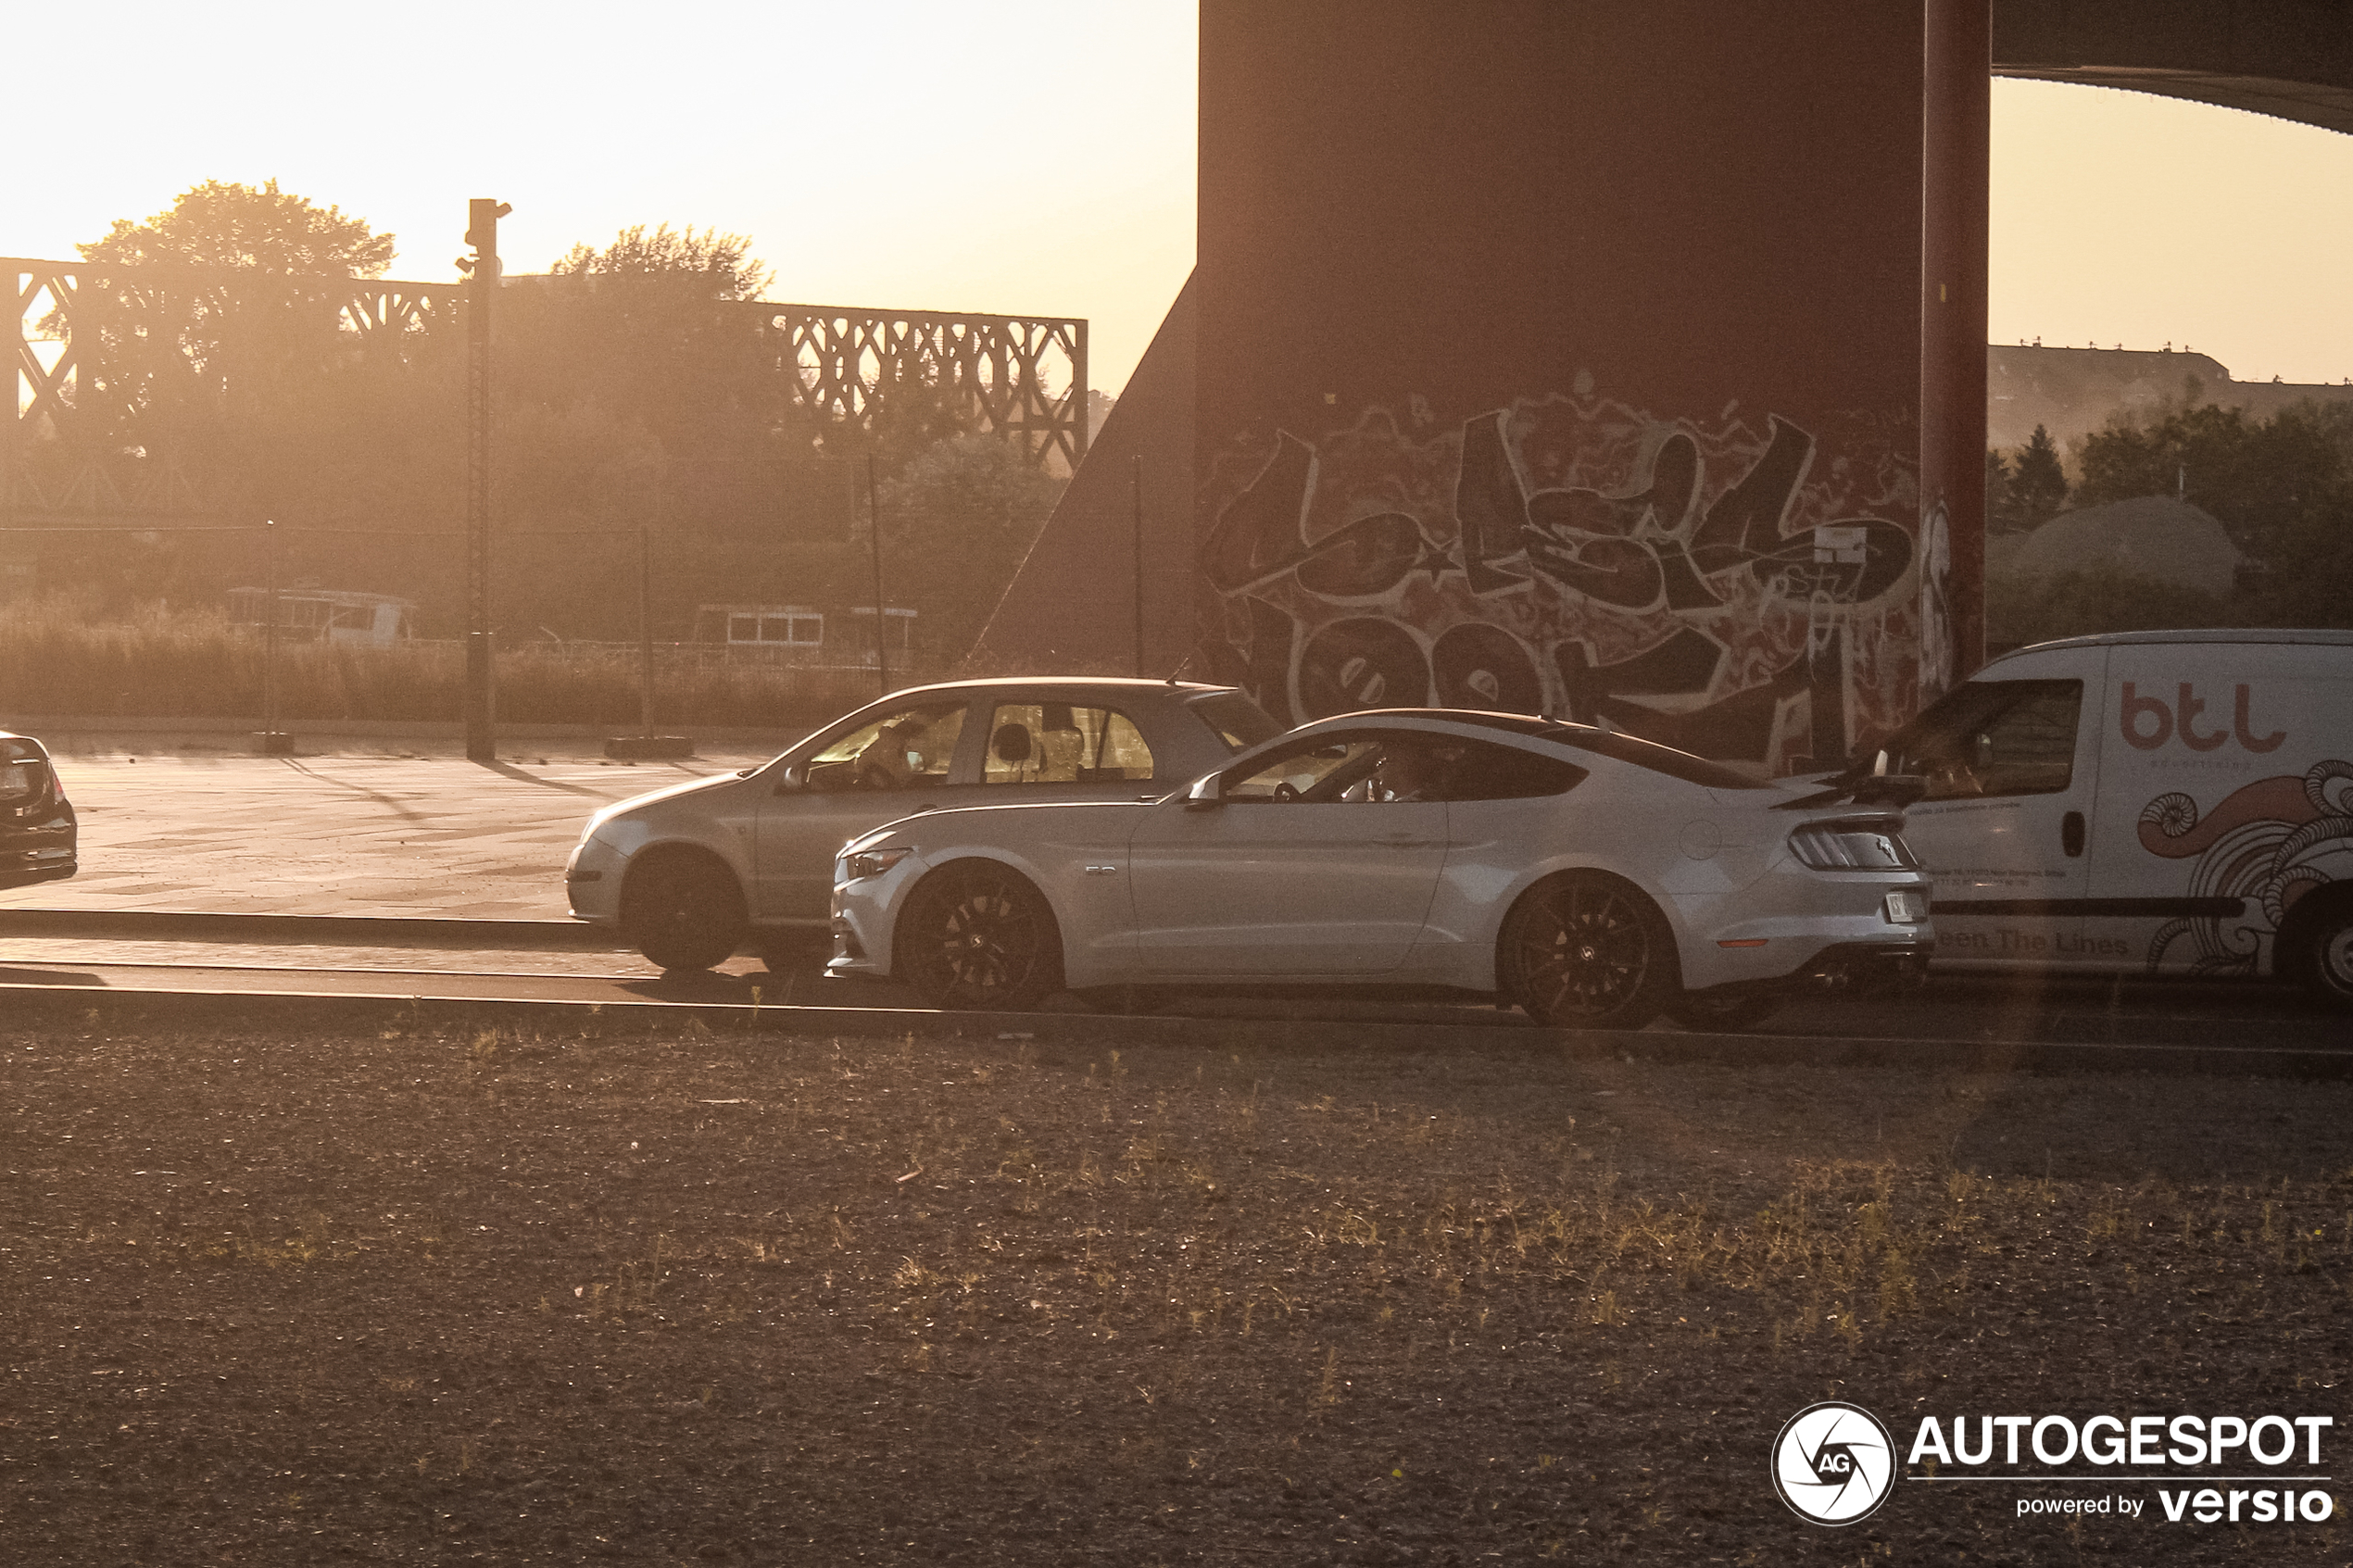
[[1865, 784]]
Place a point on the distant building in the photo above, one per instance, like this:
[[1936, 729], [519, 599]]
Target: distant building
[[2073, 392], [329, 615], [2154, 536], [802, 633]]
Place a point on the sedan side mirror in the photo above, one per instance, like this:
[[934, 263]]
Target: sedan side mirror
[[795, 777], [1207, 792]]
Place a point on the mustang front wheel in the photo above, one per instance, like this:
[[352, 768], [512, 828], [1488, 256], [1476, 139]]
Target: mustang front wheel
[[976, 935]]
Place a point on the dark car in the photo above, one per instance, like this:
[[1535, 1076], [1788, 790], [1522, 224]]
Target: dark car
[[38, 837]]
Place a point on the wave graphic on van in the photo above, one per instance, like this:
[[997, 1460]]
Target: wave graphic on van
[[2270, 843]]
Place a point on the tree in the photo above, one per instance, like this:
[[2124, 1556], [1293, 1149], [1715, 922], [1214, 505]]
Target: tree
[[233, 294], [2020, 609], [2001, 506], [957, 522], [2039, 488], [247, 229], [707, 265], [2264, 479], [650, 329]]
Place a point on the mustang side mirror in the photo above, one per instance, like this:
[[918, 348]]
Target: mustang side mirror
[[795, 777], [1206, 792]]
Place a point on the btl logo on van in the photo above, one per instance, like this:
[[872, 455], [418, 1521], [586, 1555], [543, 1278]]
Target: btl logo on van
[[2149, 722]]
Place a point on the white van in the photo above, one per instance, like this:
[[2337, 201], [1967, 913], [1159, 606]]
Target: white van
[[2151, 802]]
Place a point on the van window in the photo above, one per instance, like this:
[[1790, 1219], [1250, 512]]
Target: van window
[[1993, 737]]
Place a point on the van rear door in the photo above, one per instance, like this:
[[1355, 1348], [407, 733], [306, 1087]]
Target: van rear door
[[2011, 766], [2215, 799]]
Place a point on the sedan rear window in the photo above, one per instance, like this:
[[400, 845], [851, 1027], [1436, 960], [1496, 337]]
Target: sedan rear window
[[1240, 723], [1061, 743]]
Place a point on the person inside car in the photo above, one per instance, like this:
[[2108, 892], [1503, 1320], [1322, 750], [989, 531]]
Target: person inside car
[[1409, 773]]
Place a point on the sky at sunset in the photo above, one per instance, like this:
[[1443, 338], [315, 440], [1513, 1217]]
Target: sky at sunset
[[1018, 157]]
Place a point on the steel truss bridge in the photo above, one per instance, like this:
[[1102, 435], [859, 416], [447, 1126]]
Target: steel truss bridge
[[78, 334]]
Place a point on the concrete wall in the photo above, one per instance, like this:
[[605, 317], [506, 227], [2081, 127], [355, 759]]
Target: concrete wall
[[1072, 608], [1566, 354]]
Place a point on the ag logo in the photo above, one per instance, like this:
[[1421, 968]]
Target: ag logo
[[1833, 1463]]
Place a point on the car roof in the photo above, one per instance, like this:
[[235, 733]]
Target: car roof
[[1102, 684], [1587, 740], [2321, 636]]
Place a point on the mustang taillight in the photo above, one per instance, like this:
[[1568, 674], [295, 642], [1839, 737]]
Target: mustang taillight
[[1854, 844]]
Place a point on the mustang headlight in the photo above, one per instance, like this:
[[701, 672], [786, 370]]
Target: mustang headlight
[[871, 862], [1854, 844]]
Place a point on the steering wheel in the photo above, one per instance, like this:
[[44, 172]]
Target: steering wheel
[[1285, 791], [876, 776]]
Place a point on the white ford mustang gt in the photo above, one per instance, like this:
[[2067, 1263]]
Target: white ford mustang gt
[[1594, 879]]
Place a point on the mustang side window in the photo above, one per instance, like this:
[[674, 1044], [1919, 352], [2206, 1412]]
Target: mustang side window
[[1322, 770], [1059, 742], [910, 748], [1993, 737], [1482, 771]]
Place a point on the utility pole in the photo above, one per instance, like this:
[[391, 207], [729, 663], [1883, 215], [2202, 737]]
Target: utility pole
[[482, 233], [1136, 491], [275, 742], [882, 637]]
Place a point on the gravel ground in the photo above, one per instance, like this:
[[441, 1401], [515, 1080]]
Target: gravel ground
[[412, 1294]]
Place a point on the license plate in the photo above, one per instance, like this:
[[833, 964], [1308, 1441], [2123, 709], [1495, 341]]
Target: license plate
[[1906, 907]]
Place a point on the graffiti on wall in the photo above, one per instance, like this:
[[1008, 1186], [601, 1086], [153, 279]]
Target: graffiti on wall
[[2267, 844], [1748, 593]]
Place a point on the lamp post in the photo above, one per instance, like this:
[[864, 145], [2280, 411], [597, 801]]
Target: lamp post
[[482, 233]]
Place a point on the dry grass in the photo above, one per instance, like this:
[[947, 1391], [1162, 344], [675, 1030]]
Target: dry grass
[[57, 660], [704, 1294]]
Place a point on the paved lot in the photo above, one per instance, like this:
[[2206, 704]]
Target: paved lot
[[387, 833]]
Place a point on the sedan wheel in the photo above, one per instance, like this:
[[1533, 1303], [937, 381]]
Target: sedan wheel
[[683, 912], [1586, 950], [977, 937]]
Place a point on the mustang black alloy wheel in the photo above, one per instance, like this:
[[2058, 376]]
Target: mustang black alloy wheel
[[1585, 951], [976, 935]]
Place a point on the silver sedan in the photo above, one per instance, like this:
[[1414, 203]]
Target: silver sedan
[[688, 873], [1591, 878]]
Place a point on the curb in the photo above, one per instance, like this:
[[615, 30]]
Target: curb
[[51, 1005], [325, 931]]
